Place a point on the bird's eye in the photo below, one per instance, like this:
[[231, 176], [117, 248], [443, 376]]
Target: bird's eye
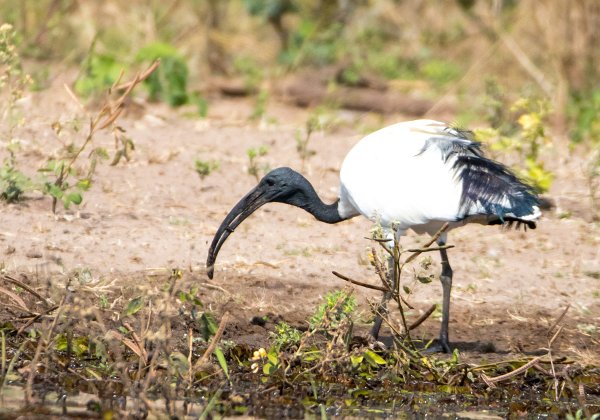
[[270, 182]]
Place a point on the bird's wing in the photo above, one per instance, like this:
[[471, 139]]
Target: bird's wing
[[488, 187]]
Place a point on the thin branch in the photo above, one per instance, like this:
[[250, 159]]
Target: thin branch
[[422, 318], [359, 283], [491, 381], [23, 286], [429, 249], [429, 243], [213, 343], [35, 318], [38, 352], [558, 320]]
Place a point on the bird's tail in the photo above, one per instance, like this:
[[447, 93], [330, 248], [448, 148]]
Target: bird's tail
[[492, 189]]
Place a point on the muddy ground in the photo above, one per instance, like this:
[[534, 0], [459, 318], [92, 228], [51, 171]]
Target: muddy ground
[[154, 213]]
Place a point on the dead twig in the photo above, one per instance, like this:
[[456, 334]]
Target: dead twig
[[215, 287], [359, 283], [368, 286], [15, 298], [23, 286], [35, 319], [558, 320], [143, 353], [38, 352], [413, 353], [491, 381], [422, 318], [213, 343], [429, 249], [428, 243]]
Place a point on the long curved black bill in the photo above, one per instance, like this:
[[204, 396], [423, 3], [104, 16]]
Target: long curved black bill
[[244, 208]]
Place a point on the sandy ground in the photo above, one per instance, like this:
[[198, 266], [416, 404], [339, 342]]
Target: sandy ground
[[155, 213]]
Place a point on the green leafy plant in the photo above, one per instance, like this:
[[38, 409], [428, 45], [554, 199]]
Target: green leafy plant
[[583, 111], [273, 11], [78, 345], [313, 42], [525, 135], [205, 167], [250, 71], [14, 81], [260, 106], [68, 190], [13, 183], [285, 336], [201, 104], [193, 308], [100, 71], [169, 82], [254, 167], [313, 123], [338, 306], [63, 191]]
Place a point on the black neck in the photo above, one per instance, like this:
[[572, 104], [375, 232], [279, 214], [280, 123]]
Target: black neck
[[327, 213], [306, 198]]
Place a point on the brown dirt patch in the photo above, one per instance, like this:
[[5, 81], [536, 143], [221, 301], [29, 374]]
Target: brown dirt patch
[[155, 213]]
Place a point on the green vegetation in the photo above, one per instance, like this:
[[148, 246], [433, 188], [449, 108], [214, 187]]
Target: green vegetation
[[205, 167], [583, 112], [13, 184], [522, 131], [61, 178], [158, 340], [169, 82], [336, 309], [285, 336], [254, 167], [99, 72]]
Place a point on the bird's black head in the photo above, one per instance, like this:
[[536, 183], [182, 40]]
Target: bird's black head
[[281, 185]]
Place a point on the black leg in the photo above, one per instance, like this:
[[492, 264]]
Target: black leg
[[446, 279]]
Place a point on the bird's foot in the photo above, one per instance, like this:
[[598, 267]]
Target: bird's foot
[[374, 343], [440, 346]]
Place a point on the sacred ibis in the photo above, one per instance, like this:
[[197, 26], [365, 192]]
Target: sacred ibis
[[415, 175]]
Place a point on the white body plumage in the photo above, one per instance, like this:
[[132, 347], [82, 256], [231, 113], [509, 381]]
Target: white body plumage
[[407, 174]]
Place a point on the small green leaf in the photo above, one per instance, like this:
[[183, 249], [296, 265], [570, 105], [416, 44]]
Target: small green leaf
[[54, 191], [117, 158], [425, 279], [356, 360], [374, 357], [61, 342], [273, 358], [134, 305], [208, 325], [269, 368], [84, 184], [75, 198], [179, 362], [102, 153], [222, 362]]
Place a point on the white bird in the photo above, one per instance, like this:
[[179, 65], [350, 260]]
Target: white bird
[[413, 175]]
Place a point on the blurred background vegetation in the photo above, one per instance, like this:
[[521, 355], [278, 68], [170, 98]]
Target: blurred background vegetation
[[481, 57], [476, 51]]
